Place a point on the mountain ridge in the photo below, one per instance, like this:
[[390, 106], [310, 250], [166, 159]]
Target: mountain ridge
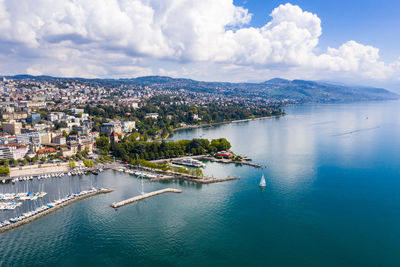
[[300, 91]]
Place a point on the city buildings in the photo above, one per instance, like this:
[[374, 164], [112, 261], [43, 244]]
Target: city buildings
[[12, 127]]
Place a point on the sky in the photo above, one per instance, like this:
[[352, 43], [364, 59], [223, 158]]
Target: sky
[[354, 42]]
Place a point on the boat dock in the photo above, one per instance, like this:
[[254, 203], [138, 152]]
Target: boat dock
[[156, 175], [51, 209], [144, 196], [245, 160]]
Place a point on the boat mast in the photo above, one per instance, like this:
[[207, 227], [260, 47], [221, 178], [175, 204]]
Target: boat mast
[[141, 174]]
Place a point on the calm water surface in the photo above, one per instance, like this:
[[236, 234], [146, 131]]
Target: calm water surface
[[332, 198]]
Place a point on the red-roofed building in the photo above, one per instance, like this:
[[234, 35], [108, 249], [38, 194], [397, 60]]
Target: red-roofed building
[[46, 152], [225, 154]]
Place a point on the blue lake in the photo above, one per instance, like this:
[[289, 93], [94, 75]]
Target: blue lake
[[332, 198]]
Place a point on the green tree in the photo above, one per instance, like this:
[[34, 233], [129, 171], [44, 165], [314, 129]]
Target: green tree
[[73, 132], [4, 171], [103, 143], [221, 144]]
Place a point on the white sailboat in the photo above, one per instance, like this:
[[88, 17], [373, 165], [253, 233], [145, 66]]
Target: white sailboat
[[262, 182]]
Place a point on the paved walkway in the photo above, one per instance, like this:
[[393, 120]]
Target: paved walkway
[[39, 171]]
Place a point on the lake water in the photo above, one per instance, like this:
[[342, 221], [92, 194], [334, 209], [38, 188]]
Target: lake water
[[332, 198]]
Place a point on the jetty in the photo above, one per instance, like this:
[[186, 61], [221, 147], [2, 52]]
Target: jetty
[[193, 180], [244, 161], [144, 196], [50, 209], [231, 161]]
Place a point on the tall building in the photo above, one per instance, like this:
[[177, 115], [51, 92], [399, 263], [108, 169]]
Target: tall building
[[35, 118], [12, 127], [5, 153], [29, 138]]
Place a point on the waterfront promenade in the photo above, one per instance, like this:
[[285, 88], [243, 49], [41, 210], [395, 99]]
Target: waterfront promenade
[[35, 171]]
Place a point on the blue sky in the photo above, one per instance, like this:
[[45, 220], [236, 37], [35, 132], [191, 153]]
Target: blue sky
[[371, 22], [214, 40]]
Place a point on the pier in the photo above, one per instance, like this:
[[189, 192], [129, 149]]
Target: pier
[[193, 180], [245, 161], [53, 209], [230, 161], [144, 196]]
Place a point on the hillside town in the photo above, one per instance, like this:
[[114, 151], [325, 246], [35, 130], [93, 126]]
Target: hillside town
[[52, 121]]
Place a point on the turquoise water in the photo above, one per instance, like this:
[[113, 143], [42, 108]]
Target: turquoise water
[[332, 198]]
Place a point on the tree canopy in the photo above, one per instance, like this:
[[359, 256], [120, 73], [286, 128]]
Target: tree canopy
[[103, 143], [168, 149]]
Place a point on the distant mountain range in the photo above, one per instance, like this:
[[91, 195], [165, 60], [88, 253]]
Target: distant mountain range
[[278, 89]]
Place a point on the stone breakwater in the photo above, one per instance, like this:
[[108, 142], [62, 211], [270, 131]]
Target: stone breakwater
[[194, 180], [53, 209], [147, 195]]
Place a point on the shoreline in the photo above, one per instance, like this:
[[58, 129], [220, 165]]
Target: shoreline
[[215, 124], [223, 122], [53, 209]]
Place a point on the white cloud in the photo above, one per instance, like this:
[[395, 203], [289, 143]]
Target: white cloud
[[109, 38]]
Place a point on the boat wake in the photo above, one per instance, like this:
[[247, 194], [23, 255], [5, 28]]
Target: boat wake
[[357, 131], [323, 122]]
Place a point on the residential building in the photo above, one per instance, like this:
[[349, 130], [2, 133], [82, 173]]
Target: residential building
[[18, 151], [12, 127], [34, 118], [5, 152], [44, 152], [128, 126], [109, 127], [151, 115], [60, 140], [29, 138], [15, 116]]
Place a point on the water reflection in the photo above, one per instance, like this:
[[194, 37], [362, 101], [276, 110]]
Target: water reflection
[[324, 193]]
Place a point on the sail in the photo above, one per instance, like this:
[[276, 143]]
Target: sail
[[262, 182]]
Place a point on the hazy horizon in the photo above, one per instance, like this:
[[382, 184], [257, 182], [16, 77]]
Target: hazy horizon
[[230, 41]]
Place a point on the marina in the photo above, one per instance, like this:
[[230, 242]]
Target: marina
[[194, 161], [27, 196], [156, 175], [188, 162], [41, 211], [73, 172]]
